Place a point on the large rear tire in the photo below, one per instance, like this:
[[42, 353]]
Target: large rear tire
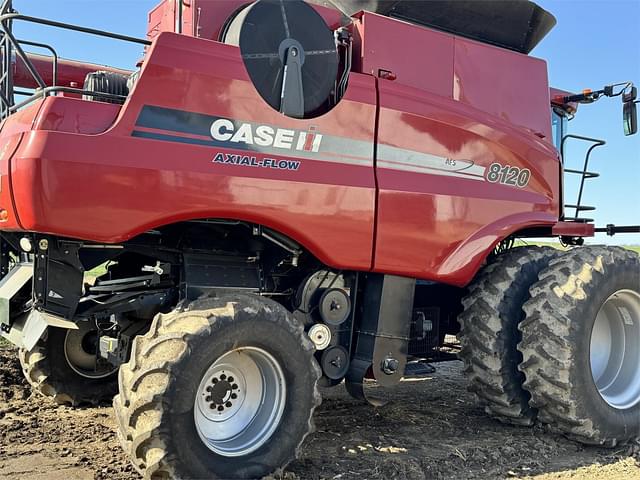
[[64, 366], [581, 345], [223, 389], [489, 332]]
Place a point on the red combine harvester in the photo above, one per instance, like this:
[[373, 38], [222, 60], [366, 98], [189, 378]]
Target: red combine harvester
[[287, 195]]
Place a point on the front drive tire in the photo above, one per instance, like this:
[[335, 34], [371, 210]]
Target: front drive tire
[[581, 345], [224, 389]]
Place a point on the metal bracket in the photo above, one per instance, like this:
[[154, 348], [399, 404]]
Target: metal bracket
[[383, 335], [29, 328], [292, 95], [58, 276]]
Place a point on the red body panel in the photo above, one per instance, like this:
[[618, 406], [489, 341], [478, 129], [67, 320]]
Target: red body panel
[[436, 226], [502, 83], [73, 115], [462, 101], [511, 86], [11, 134], [111, 187], [574, 229], [379, 40], [107, 173]]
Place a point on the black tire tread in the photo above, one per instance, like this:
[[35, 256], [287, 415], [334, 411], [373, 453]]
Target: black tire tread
[[489, 339], [145, 378], [37, 371], [546, 346]]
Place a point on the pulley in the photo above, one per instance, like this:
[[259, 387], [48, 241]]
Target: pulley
[[335, 306], [335, 362]]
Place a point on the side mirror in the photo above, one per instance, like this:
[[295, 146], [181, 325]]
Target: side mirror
[[630, 112], [630, 118]]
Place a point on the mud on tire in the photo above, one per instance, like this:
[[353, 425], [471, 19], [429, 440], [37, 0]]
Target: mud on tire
[[489, 332], [160, 388], [47, 370], [570, 387]]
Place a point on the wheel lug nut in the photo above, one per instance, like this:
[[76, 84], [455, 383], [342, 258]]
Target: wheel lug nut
[[215, 380], [223, 377], [207, 399], [208, 389], [230, 379], [228, 404], [233, 396], [234, 386], [220, 408]]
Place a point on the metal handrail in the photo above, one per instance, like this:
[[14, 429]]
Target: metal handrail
[[45, 92], [54, 54], [585, 173], [6, 75], [9, 41], [77, 28]]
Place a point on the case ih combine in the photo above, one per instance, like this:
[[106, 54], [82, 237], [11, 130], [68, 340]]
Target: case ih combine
[[287, 195]]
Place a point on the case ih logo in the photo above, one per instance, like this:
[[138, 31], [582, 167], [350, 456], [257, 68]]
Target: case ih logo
[[225, 130]]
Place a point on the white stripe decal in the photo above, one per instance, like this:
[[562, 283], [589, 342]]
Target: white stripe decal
[[472, 171], [426, 170], [407, 158], [171, 124]]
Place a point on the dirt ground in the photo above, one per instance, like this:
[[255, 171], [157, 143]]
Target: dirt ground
[[432, 429]]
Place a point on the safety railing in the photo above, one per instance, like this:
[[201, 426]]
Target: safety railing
[[585, 175], [11, 51]]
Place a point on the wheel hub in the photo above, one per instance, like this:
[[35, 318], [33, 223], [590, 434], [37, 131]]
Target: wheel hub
[[221, 393], [240, 401], [615, 350]]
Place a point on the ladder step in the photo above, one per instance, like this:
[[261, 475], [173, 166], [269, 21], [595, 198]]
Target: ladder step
[[578, 220], [581, 208], [581, 172]]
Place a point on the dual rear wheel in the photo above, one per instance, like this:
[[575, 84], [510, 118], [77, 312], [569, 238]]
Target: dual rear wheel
[[564, 349], [581, 345], [489, 332]]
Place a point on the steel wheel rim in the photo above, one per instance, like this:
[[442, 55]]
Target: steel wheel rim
[[81, 359], [615, 350], [240, 401]]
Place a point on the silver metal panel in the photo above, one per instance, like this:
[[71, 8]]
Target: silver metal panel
[[10, 285], [27, 330], [37, 324], [15, 335], [34, 328]]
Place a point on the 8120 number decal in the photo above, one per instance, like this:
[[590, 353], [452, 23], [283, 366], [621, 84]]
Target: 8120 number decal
[[508, 175]]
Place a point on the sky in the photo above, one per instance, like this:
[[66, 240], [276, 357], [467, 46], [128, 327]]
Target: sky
[[595, 43]]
